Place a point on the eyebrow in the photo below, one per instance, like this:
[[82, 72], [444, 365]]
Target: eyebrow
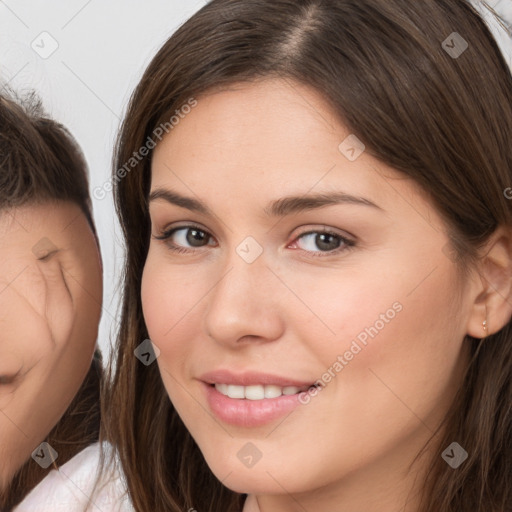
[[277, 208]]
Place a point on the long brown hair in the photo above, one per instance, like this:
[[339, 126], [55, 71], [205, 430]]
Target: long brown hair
[[443, 120], [41, 161]]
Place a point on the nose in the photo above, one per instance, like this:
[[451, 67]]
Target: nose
[[245, 305]]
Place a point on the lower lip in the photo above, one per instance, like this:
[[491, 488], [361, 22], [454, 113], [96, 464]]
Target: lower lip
[[249, 413]]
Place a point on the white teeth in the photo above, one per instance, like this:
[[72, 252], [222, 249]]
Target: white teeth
[[222, 388], [235, 391], [255, 392], [273, 391], [290, 390]]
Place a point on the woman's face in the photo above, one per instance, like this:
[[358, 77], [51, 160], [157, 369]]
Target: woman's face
[[50, 304], [291, 259]]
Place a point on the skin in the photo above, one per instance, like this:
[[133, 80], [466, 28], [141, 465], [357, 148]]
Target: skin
[[291, 313], [50, 305]]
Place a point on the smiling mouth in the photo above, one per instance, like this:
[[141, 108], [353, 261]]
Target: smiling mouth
[[258, 391]]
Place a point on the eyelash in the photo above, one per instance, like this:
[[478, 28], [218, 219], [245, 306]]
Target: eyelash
[[346, 244]]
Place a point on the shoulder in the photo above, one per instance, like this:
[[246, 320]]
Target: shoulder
[[80, 486], [498, 15]]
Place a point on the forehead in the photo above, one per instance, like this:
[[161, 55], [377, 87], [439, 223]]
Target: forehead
[[245, 115], [33, 229], [263, 140]]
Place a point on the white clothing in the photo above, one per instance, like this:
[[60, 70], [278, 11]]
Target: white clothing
[[503, 36], [72, 488]]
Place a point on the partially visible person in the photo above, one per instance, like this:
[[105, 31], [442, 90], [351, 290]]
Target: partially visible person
[[498, 16], [50, 307]]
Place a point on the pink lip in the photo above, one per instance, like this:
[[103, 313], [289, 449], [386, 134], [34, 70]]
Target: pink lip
[[249, 413], [250, 379]]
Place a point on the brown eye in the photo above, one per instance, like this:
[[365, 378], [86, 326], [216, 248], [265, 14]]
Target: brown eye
[[322, 242], [327, 242], [185, 238], [196, 237]]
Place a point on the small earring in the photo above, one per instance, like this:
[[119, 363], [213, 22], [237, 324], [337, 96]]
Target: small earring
[[484, 325]]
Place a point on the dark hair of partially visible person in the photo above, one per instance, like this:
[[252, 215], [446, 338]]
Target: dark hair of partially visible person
[[444, 122], [40, 161]]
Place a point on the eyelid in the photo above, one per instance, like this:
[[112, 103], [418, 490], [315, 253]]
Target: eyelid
[[180, 224], [311, 229], [326, 229], [347, 240], [167, 231], [345, 236]]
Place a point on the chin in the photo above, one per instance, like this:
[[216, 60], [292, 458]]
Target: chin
[[251, 483], [264, 477]]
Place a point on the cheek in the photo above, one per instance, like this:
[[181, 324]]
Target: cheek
[[394, 325], [168, 309], [168, 303], [337, 308], [409, 353], [85, 283], [24, 328], [10, 362], [157, 301]]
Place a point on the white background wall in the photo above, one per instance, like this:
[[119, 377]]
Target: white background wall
[[103, 48]]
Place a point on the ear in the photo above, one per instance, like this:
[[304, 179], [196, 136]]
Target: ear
[[493, 302]]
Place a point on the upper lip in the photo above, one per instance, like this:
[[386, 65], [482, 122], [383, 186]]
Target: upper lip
[[250, 378]]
